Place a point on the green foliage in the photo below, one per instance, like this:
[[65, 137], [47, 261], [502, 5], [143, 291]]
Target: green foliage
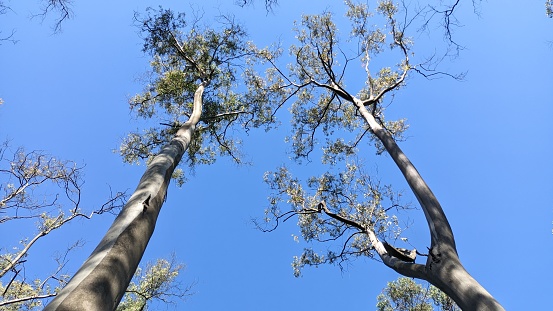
[[404, 294], [157, 283], [549, 8], [349, 193], [186, 53], [17, 292], [323, 108], [316, 79]]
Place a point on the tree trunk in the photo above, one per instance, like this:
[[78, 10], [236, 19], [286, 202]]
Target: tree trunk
[[104, 277], [450, 276], [443, 268]]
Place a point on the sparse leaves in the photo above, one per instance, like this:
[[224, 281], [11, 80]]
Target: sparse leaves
[[405, 294], [356, 205], [156, 283], [315, 80], [344, 205], [18, 295], [28, 183], [24, 173]]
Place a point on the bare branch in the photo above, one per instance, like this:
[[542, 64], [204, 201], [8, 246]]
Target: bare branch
[[50, 224], [23, 299], [63, 7]]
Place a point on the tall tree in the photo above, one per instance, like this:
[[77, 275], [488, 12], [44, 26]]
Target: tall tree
[[195, 72], [345, 203]]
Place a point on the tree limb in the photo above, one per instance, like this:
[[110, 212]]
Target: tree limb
[[22, 299]]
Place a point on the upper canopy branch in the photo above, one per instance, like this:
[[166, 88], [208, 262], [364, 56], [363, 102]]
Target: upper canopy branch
[[175, 42], [196, 77], [399, 264]]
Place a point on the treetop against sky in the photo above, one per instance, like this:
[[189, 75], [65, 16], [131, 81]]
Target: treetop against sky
[[481, 144]]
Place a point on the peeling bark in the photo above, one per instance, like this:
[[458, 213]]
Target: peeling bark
[[102, 280]]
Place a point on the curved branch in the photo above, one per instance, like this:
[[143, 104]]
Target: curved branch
[[405, 268], [322, 207], [57, 223], [17, 300], [196, 113], [391, 87], [286, 216]]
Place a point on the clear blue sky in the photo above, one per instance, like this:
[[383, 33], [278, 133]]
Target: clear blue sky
[[484, 145]]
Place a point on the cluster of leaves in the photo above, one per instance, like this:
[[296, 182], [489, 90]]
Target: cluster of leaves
[[16, 294], [356, 204], [185, 55], [405, 294], [157, 283], [319, 71]]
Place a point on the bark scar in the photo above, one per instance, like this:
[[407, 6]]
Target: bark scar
[[146, 204]]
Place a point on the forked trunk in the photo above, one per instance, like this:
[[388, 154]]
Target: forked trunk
[[104, 277], [443, 268]]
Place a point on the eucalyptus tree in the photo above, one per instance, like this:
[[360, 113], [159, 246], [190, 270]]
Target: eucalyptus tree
[[345, 203], [194, 99]]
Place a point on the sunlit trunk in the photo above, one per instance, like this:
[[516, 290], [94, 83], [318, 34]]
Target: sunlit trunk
[[443, 267], [102, 280]]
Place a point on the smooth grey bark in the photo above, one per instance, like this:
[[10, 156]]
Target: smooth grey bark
[[102, 280], [443, 268]]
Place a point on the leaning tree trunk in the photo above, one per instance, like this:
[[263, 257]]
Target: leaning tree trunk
[[103, 278], [443, 268]]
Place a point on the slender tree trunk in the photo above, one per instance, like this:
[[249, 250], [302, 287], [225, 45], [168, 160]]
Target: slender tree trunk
[[443, 267], [102, 280]]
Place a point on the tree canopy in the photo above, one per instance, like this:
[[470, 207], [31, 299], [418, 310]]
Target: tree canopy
[[186, 52], [321, 196]]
